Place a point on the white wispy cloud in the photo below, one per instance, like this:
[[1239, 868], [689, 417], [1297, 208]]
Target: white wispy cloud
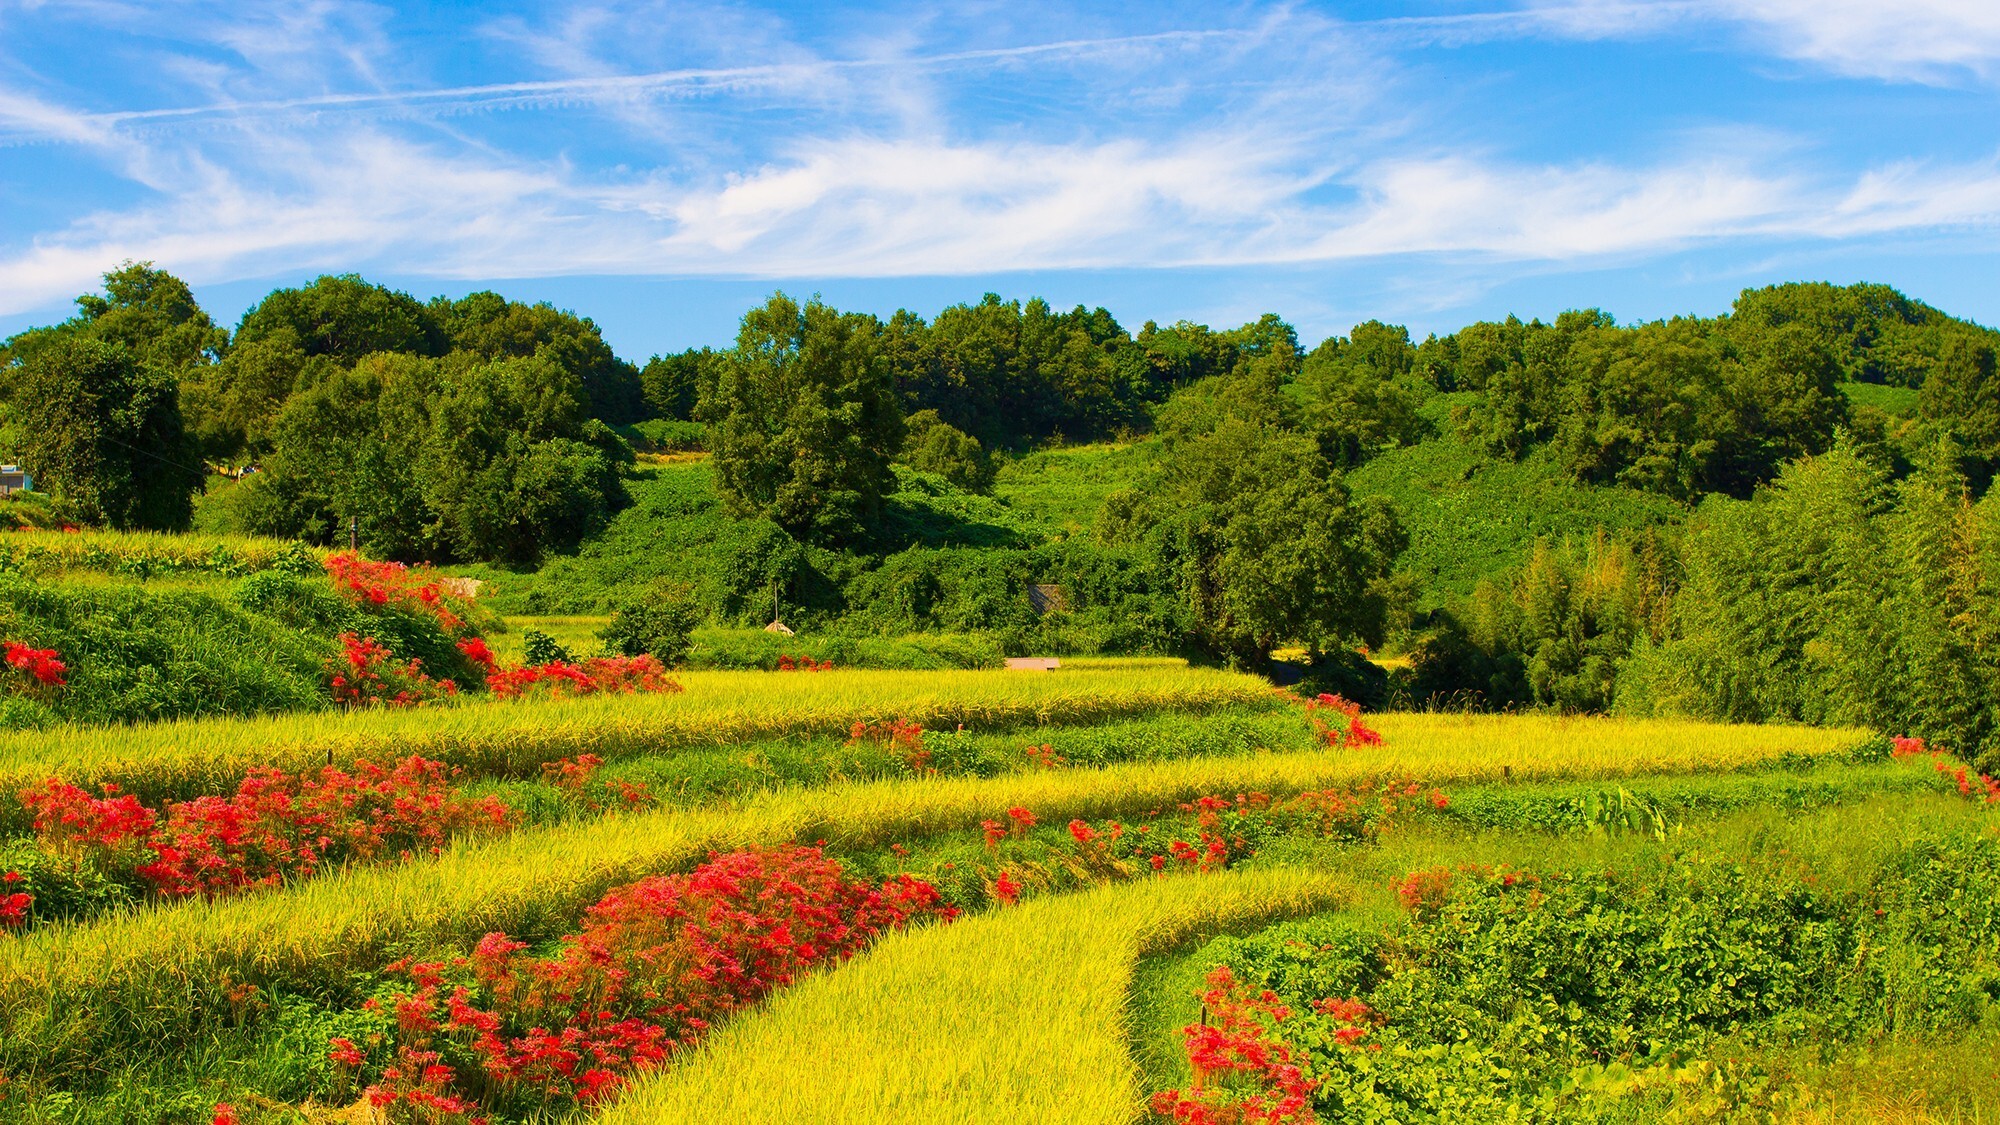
[[298, 143], [1932, 41]]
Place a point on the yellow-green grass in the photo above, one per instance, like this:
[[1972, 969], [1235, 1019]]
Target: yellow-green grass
[[578, 634], [1017, 1015], [68, 991], [1078, 663], [47, 552], [503, 738]]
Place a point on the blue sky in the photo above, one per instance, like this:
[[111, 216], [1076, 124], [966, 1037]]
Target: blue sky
[[661, 166]]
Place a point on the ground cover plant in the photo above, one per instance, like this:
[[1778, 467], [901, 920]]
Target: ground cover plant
[[1722, 972]]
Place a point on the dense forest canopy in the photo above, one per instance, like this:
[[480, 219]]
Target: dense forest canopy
[[1779, 512]]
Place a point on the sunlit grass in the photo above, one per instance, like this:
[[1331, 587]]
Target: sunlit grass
[[1015, 1015], [491, 737]]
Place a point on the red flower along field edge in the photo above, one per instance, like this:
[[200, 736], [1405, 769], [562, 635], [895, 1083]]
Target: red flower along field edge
[[41, 666], [1351, 731], [1243, 1073], [391, 584], [367, 673], [654, 966], [1983, 786], [274, 827]]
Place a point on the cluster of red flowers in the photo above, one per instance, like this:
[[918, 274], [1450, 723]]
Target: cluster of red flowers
[[1351, 732], [275, 826], [475, 650], [41, 664], [367, 674], [13, 904], [655, 965], [900, 737], [1355, 1018], [1224, 831], [1363, 811], [1984, 786], [802, 664], [601, 675], [574, 774], [1243, 1074], [1045, 757], [393, 584], [1426, 890]]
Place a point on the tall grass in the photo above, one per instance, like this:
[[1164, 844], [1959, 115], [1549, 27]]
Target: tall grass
[[70, 992], [1017, 1015], [489, 737], [143, 553]]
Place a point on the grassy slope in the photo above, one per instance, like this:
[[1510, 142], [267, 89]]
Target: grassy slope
[[1900, 402], [1030, 1032], [1470, 516], [1058, 491]]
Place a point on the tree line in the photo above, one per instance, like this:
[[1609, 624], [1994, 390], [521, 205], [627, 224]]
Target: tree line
[[487, 429]]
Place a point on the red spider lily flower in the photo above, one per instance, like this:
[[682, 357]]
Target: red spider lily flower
[[225, 1114], [476, 651], [41, 664], [14, 907], [1084, 833], [1006, 889]]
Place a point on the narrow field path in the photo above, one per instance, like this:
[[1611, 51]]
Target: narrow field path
[[1018, 1015]]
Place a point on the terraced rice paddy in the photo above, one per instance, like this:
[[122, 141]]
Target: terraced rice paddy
[[1061, 1008]]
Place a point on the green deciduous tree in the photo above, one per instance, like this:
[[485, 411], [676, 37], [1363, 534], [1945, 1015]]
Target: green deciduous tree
[[492, 327], [103, 430], [934, 446], [344, 318], [803, 420]]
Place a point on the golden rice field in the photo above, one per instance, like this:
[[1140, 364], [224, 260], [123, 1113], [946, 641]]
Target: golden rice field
[[49, 552], [497, 737], [163, 970], [1034, 1023]]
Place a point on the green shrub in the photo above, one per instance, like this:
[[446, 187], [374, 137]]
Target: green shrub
[[310, 606], [538, 647], [660, 625]]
